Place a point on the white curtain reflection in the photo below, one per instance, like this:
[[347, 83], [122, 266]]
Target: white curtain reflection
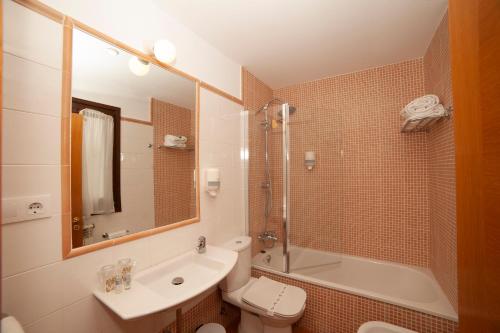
[[97, 163]]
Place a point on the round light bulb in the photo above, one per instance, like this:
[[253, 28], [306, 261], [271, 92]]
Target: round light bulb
[[164, 51], [138, 66]]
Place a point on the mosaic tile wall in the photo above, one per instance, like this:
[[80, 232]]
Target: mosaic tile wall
[[441, 145], [333, 311], [374, 192], [255, 95], [173, 169], [367, 195], [208, 311]]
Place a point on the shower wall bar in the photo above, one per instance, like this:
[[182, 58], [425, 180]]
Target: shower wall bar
[[285, 113]]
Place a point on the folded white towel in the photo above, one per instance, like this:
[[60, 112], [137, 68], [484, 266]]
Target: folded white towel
[[421, 121], [175, 138], [177, 145], [421, 107], [435, 111], [175, 141]]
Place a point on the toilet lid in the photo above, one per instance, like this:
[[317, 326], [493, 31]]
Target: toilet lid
[[211, 328], [275, 298]]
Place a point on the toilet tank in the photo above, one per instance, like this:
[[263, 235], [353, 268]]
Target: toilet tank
[[240, 274]]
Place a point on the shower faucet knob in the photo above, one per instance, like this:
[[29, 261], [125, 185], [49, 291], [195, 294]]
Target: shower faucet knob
[[265, 184]]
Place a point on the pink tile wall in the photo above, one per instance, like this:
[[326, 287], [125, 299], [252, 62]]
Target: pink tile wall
[[441, 145], [367, 195], [208, 310], [374, 192], [173, 169], [329, 310], [255, 95]]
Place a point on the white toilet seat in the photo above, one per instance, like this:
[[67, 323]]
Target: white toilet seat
[[275, 298], [282, 318], [382, 327]]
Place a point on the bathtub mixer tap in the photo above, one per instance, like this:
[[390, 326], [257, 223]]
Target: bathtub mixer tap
[[267, 237]]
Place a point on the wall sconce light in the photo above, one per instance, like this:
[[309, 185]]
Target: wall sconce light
[[164, 51], [112, 51], [138, 66], [309, 159]]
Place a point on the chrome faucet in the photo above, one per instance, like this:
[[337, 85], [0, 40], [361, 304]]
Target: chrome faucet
[[267, 235], [268, 238], [202, 244]]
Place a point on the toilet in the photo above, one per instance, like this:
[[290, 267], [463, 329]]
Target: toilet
[[211, 328], [382, 327], [9, 324], [267, 306]]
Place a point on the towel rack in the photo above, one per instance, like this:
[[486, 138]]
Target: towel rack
[[424, 124]]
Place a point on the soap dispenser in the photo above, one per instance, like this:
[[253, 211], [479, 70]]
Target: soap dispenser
[[212, 177]]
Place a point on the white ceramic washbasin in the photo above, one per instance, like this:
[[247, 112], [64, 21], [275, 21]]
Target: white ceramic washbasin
[[152, 289]]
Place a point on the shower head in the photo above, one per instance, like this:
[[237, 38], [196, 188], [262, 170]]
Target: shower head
[[265, 107], [291, 109]]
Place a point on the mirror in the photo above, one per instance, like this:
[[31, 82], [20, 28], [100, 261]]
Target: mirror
[[133, 143]]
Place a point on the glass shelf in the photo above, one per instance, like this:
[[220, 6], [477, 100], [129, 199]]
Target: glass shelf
[[188, 147]]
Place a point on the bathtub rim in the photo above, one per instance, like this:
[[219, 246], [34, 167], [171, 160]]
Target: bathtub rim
[[452, 315]]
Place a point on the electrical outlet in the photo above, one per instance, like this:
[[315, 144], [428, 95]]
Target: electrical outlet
[[25, 208], [35, 208]]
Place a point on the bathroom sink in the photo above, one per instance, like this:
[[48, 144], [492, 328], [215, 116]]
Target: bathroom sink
[[171, 283]]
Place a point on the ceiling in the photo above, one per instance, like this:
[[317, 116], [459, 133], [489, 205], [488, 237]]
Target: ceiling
[[95, 70], [284, 42]]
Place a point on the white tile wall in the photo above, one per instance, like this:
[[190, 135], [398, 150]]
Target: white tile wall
[[31, 139], [21, 240], [22, 75], [48, 324], [30, 133], [220, 147], [48, 294], [33, 294], [80, 274], [33, 180], [86, 311], [31, 36], [139, 26], [136, 183]]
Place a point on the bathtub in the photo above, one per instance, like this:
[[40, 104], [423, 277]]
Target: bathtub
[[407, 286]]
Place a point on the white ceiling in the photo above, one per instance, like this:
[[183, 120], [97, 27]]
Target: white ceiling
[[284, 42], [96, 71]]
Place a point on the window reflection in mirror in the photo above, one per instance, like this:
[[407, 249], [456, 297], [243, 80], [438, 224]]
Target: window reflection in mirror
[[132, 143]]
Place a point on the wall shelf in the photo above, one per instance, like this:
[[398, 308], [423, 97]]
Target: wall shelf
[[188, 147], [425, 123]]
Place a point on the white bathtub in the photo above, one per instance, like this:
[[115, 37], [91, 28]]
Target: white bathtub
[[407, 286]]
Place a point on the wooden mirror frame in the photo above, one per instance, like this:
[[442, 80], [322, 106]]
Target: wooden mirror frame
[[68, 251], [68, 24]]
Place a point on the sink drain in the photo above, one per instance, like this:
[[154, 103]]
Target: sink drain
[[177, 281]]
